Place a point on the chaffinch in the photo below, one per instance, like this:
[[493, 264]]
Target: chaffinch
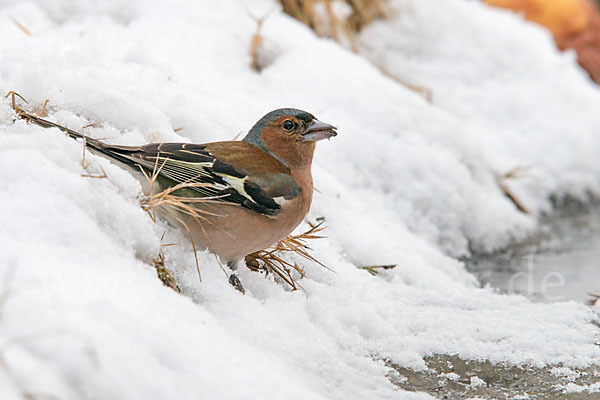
[[257, 190]]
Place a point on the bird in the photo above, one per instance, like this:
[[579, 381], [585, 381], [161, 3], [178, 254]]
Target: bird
[[246, 195]]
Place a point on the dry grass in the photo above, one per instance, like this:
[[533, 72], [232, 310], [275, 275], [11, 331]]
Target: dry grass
[[177, 207], [42, 111], [22, 27], [514, 173], [90, 125], [374, 269], [270, 260], [343, 29], [85, 164], [13, 97], [164, 274], [258, 59], [330, 23], [256, 42]]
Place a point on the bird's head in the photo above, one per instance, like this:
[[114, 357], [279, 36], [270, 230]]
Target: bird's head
[[289, 135]]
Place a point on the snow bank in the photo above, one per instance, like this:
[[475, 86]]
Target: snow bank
[[405, 182], [513, 100]]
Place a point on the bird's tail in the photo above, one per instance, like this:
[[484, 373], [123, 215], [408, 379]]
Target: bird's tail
[[89, 142], [121, 155]]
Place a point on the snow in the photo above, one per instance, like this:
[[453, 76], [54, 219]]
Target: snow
[[476, 382], [450, 375], [565, 372], [574, 388], [506, 90], [405, 182]]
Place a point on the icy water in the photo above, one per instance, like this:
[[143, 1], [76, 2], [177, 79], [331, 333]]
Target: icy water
[[561, 263], [452, 378]]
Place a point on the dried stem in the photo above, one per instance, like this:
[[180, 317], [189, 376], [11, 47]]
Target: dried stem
[[272, 260], [514, 173], [374, 269], [14, 94], [257, 40], [21, 27], [363, 12]]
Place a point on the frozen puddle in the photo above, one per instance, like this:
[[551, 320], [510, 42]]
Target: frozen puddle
[[450, 377], [562, 263]]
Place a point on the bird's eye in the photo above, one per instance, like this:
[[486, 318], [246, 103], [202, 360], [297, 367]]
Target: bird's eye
[[288, 125]]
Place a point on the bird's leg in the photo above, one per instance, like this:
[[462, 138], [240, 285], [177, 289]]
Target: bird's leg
[[233, 278]]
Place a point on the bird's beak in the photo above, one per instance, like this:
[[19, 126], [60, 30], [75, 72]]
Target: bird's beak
[[318, 130]]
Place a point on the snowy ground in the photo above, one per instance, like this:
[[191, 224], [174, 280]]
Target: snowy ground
[[405, 182]]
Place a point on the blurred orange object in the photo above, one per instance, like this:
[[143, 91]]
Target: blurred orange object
[[575, 24]]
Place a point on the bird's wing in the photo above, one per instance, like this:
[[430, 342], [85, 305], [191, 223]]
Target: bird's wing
[[233, 172]]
